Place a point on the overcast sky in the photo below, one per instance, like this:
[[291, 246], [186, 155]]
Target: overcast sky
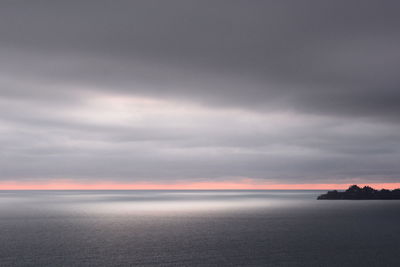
[[187, 91]]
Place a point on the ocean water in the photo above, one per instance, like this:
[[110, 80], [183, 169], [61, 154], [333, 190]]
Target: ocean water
[[195, 228]]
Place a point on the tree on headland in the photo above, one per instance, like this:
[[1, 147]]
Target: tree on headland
[[367, 192]]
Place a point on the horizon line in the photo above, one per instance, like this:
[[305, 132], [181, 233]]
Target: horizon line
[[242, 185]]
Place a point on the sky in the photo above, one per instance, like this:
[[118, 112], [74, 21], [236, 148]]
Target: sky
[[199, 94]]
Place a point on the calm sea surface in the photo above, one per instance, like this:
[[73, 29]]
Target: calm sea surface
[[195, 228]]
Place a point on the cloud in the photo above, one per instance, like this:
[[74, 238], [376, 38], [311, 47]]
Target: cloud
[[282, 91]]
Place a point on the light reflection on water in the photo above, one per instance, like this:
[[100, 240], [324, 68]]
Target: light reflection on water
[[195, 228], [151, 202]]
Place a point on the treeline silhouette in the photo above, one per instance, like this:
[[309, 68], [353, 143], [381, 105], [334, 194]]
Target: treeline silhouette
[[366, 192]]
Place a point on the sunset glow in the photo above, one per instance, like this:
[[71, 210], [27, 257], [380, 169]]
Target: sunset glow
[[246, 185]]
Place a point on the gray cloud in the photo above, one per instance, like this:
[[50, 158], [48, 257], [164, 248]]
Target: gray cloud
[[290, 91]]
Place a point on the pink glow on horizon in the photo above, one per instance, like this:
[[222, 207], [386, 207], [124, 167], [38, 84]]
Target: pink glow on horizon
[[246, 184]]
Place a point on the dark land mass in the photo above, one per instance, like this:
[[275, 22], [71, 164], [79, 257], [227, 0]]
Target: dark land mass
[[356, 192]]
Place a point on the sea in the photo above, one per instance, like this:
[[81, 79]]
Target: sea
[[196, 228]]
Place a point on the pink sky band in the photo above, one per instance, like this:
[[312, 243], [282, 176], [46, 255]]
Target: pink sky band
[[72, 185]]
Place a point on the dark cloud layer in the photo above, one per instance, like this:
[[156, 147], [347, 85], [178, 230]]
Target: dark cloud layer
[[277, 90]]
